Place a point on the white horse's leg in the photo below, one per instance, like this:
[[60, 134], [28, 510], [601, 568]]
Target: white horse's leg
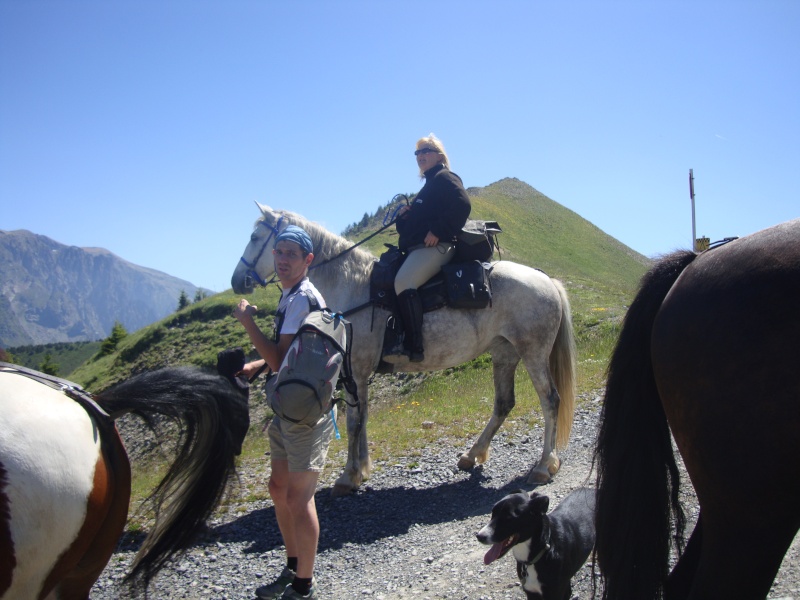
[[549, 464], [504, 363], [359, 463]]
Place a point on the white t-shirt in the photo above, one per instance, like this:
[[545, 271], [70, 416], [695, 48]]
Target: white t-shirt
[[295, 306]]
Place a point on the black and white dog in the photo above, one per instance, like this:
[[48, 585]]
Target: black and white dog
[[549, 549]]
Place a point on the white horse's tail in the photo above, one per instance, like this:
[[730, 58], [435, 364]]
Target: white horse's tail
[[562, 368]]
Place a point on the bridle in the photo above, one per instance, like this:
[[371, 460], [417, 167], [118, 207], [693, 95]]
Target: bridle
[[251, 272]]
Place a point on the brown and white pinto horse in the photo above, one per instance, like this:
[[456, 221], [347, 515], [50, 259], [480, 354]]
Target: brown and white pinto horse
[[708, 351], [65, 478]]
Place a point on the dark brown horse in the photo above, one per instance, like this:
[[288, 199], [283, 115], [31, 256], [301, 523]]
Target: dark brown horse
[[710, 349], [65, 479]]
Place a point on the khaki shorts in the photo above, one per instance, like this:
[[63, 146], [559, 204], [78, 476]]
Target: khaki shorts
[[305, 447]]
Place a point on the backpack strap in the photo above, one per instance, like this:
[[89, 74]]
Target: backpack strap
[[313, 305], [346, 375]]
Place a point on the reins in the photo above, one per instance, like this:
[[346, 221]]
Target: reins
[[356, 245], [251, 274]]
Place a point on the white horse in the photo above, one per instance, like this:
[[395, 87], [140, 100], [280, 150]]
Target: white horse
[[529, 319]]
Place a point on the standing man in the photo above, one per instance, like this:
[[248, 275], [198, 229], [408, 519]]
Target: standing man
[[298, 452]]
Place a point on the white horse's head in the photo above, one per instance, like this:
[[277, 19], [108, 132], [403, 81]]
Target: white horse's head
[[257, 264]]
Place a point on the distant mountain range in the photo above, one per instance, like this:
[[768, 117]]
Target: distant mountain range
[[50, 292]]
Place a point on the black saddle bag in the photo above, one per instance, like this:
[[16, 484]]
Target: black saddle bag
[[477, 241], [384, 270], [467, 284]]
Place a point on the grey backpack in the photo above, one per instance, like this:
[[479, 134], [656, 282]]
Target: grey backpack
[[302, 389]]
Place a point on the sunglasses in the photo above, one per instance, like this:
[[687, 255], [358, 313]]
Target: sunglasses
[[424, 151]]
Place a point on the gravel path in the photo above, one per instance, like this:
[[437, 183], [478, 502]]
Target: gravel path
[[408, 533]]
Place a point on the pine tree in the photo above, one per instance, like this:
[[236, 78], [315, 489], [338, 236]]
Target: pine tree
[[48, 366], [183, 301], [109, 345]]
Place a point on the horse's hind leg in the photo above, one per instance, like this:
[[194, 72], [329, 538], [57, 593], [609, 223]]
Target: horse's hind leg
[[728, 548], [107, 511], [544, 471], [504, 363]]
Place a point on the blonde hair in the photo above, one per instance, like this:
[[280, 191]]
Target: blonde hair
[[433, 142]]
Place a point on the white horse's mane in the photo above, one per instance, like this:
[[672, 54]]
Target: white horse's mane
[[354, 265]]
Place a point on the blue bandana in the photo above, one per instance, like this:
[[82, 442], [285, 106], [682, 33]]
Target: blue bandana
[[295, 234]]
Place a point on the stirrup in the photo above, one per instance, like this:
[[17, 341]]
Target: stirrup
[[396, 356]]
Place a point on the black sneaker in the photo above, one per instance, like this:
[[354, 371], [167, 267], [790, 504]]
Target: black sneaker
[[278, 587], [290, 593]]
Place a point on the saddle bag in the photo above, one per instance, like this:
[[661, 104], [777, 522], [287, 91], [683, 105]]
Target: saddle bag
[[477, 241], [467, 284], [384, 271]]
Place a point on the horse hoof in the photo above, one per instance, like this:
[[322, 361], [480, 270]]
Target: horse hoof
[[465, 463], [536, 477], [340, 490]]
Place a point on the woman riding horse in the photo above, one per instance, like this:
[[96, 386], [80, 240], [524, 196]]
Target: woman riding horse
[[428, 230]]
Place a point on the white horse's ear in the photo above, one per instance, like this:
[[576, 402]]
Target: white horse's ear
[[263, 208]]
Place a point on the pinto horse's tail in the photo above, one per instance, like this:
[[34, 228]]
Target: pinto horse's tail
[[637, 477], [562, 365], [213, 419]]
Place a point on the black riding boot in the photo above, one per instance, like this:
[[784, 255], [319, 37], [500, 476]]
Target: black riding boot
[[409, 346], [397, 353], [410, 305]]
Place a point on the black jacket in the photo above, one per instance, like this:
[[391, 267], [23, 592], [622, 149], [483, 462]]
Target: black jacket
[[441, 206]]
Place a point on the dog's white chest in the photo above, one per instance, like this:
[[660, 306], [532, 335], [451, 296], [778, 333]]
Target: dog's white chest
[[529, 578]]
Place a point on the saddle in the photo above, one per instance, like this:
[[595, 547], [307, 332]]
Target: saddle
[[458, 285]]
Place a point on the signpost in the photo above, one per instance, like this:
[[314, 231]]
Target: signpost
[[691, 195]]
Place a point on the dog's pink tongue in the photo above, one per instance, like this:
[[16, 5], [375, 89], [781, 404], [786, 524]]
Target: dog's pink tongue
[[493, 554]]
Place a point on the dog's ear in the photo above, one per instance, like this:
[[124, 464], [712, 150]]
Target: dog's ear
[[539, 503]]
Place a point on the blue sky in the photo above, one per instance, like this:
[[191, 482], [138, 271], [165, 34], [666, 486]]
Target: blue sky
[[150, 128]]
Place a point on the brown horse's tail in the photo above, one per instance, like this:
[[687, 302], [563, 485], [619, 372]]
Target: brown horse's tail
[[562, 367], [213, 420], [637, 477]]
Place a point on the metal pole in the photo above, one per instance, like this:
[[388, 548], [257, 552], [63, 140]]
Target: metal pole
[[691, 195]]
